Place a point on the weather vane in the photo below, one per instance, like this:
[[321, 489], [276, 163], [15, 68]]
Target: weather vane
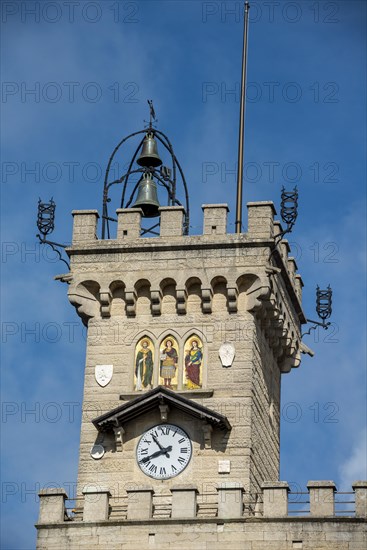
[[151, 113]]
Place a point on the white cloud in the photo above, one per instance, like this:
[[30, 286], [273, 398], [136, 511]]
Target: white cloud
[[354, 467]]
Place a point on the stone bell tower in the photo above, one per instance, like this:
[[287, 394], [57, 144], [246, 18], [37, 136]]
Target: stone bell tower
[[230, 293], [188, 337], [237, 299]]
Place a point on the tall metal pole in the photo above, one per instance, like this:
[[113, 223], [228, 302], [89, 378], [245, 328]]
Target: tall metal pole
[[238, 223]]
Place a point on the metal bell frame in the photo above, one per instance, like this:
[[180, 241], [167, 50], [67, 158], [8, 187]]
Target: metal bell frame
[[169, 182]]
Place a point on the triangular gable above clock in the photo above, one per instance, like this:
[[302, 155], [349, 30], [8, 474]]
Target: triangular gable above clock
[[163, 399]]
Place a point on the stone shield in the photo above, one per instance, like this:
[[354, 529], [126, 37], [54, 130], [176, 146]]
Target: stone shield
[[103, 374], [226, 353]]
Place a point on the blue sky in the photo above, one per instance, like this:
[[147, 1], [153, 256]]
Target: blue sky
[[92, 68]]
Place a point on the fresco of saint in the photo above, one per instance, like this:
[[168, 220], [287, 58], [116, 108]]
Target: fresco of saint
[[193, 361], [144, 364], [169, 361]]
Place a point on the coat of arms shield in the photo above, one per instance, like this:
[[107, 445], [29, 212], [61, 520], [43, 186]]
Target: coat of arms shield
[[226, 353], [103, 374]]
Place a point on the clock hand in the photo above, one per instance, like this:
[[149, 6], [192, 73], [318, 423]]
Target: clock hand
[[155, 439], [157, 442], [163, 451]]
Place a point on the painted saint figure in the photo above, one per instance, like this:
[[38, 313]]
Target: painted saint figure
[[193, 360], [144, 366], [169, 359]]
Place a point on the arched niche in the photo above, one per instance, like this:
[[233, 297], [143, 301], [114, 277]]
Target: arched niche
[[168, 289], [169, 359], [117, 289], [142, 289], [219, 288], [193, 359], [193, 288], [143, 365]]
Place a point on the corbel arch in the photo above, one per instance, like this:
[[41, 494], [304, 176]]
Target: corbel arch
[[117, 291], [220, 296], [193, 287], [143, 296], [168, 291]]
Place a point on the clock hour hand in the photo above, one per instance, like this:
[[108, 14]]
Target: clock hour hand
[[162, 451]]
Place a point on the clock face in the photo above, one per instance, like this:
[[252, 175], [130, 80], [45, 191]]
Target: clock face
[[164, 451]]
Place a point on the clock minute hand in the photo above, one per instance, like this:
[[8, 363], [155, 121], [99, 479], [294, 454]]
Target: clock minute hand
[[157, 453], [155, 439], [157, 442]]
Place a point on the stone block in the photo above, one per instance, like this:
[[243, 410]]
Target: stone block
[[321, 498], [184, 501], [230, 500], [261, 219], [360, 494], [128, 223], [140, 503], [96, 503], [298, 283], [275, 499], [172, 218], [215, 219], [85, 226], [52, 505]]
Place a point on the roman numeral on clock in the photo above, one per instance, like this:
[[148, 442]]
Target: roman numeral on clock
[[181, 460], [165, 431], [181, 440], [184, 450], [153, 468], [162, 471]]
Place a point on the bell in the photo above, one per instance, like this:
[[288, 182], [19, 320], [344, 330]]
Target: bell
[[147, 198], [149, 153]]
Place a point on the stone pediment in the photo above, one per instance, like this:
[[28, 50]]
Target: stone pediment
[[162, 399]]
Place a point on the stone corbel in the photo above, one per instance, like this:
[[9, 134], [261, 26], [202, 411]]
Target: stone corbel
[[156, 302], [130, 300], [164, 409], [181, 301], [272, 307], [207, 433], [256, 297], [206, 300], [291, 362], [232, 294], [105, 298], [277, 327], [119, 437], [86, 307]]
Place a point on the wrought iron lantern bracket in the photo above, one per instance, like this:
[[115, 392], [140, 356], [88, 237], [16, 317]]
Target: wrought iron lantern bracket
[[323, 309], [46, 225]]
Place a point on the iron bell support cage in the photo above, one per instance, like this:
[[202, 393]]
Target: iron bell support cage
[[166, 178]]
